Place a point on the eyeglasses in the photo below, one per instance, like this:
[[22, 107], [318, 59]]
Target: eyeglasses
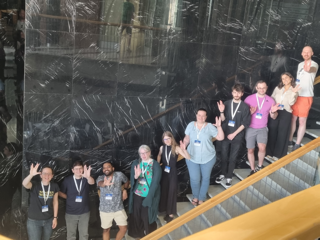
[[166, 139], [143, 153], [261, 88]]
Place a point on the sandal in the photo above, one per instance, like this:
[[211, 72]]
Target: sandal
[[195, 202], [200, 203]]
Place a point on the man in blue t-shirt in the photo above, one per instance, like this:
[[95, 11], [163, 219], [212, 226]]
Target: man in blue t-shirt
[[75, 189]]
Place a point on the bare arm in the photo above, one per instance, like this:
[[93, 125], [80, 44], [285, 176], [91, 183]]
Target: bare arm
[[186, 140], [183, 152], [220, 135], [55, 210], [222, 116], [159, 155], [63, 195]]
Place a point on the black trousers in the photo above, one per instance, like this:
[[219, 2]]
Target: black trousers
[[229, 154], [138, 226], [278, 136]]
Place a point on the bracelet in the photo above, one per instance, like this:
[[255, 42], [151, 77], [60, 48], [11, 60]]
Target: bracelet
[[55, 217], [221, 112]]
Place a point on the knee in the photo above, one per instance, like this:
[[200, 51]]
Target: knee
[[302, 121], [262, 148], [106, 230], [123, 229], [250, 150]]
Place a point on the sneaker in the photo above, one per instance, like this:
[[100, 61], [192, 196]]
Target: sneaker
[[275, 158], [252, 172], [258, 168], [229, 182], [219, 179], [167, 218], [290, 144], [296, 146]]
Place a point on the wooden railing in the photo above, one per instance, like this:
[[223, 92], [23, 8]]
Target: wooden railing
[[178, 222]]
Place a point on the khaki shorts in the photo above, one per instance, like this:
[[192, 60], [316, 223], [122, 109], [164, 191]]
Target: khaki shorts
[[119, 217]]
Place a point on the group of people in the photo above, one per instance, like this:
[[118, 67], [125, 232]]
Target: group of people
[[259, 119]]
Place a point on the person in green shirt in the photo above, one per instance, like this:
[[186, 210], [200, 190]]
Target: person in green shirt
[[144, 194]]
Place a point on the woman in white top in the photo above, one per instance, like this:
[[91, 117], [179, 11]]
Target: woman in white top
[[285, 94]]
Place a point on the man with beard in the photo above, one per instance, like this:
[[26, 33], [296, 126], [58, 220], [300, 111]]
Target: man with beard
[[75, 189], [235, 116], [111, 200]]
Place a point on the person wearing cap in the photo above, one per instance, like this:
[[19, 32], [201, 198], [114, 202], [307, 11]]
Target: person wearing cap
[[75, 189]]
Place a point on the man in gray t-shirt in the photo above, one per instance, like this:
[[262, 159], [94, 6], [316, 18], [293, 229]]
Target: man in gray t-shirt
[[111, 200]]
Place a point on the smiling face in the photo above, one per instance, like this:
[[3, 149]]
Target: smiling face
[[107, 169], [286, 80], [144, 154], [307, 53], [262, 88], [77, 171], [201, 116], [167, 140], [46, 175], [237, 95]]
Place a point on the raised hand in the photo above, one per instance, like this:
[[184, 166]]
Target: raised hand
[[296, 88], [218, 122], [137, 171], [221, 106], [182, 145], [253, 109], [107, 181], [33, 170], [275, 107], [86, 171], [307, 66]]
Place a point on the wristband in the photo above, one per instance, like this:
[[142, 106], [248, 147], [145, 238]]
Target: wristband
[[221, 112]]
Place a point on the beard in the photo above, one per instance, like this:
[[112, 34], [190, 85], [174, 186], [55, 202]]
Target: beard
[[108, 174]]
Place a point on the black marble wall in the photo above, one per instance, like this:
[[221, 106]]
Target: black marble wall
[[93, 91]]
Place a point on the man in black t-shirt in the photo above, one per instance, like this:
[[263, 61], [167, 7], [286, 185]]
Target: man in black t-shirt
[[235, 116], [75, 189], [43, 208]]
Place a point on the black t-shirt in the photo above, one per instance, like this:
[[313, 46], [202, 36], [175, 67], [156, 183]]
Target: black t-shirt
[[37, 201], [68, 187], [242, 117]]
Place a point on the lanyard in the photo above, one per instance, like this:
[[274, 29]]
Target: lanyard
[[109, 187], [168, 157], [258, 102], [143, 170], [198, 132], [234, 113], [45, 198], [75, 182], [283, 94]]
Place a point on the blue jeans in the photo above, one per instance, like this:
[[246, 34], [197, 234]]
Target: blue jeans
[[39, 229], [200, 178]]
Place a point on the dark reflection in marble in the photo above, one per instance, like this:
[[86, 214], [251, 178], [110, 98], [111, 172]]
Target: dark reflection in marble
[[98, 85]]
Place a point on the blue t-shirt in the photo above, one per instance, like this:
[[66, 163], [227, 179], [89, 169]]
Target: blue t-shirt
[[203, 151], [68, 187]]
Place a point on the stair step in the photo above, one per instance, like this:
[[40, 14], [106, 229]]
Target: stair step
[[313, 132], [302, 171], [176, 234], [195, 225], [268, 189], [311, 158]]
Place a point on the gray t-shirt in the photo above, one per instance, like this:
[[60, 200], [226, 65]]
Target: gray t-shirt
[[112, 203]]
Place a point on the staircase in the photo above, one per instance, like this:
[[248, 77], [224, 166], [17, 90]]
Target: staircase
[[294, 177]]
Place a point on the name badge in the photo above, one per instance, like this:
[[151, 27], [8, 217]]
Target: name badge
[[108, 196], [297, 81], [197, 143], [45, 208], [231, 123], [142, 181], [281, 106], [259, 115], [167, 169], [78, 198]]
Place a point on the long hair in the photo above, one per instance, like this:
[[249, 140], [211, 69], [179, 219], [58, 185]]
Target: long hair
[[173, 141], [293, 82]]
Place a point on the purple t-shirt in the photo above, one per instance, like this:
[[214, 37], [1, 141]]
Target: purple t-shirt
[[261, 121]]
